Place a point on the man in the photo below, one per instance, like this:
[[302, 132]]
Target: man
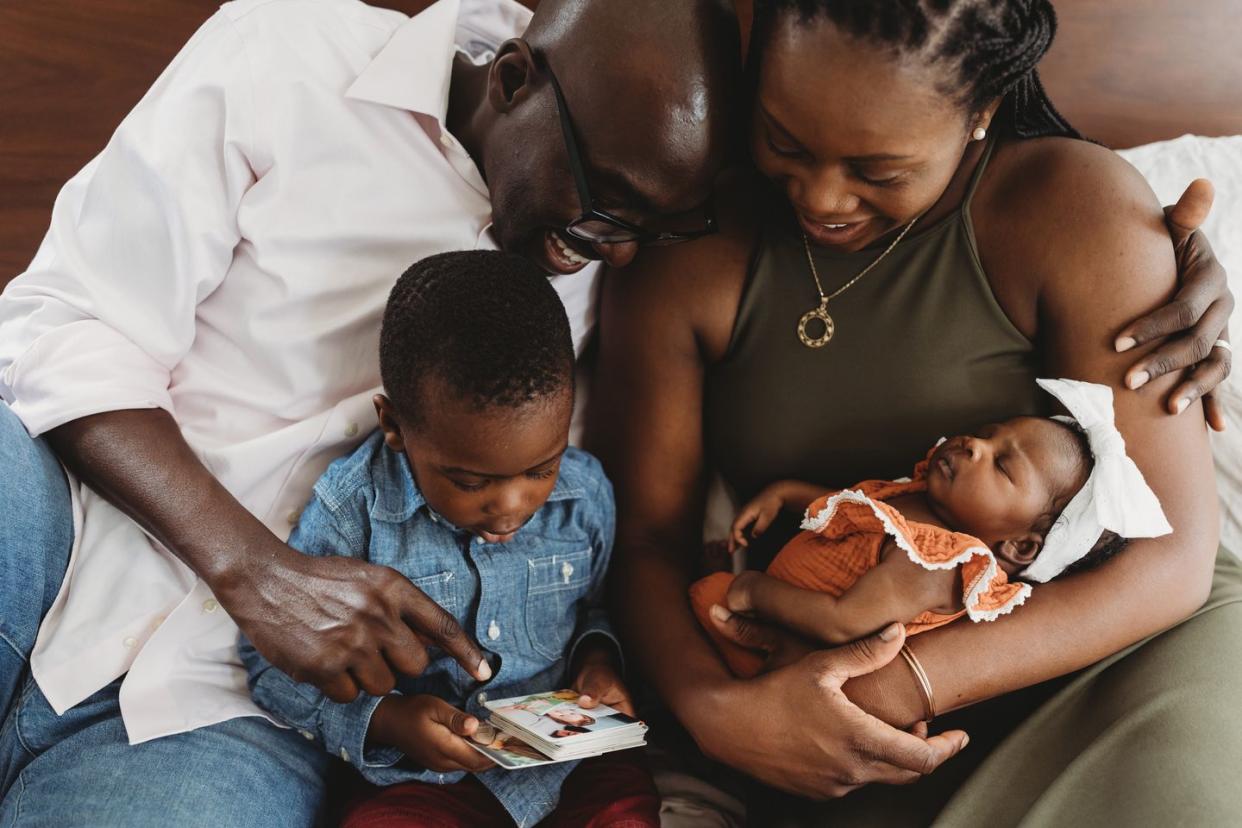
[[196, 341]]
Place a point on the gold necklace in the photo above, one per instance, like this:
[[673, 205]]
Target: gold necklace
[[821, 312]]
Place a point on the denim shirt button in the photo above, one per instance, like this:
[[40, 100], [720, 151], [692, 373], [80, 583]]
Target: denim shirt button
[[482, 698], [493, 631], [567, 570]]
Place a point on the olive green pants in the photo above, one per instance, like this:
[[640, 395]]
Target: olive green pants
[[1151, 736]]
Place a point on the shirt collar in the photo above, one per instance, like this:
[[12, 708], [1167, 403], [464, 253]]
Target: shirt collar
[[398, 502], [414, 69]]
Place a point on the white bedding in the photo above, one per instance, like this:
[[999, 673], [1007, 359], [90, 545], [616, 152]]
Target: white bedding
[[1169, 166]]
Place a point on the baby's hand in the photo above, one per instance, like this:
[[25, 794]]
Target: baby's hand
[[598, 681], [430, 731], [760, 511]]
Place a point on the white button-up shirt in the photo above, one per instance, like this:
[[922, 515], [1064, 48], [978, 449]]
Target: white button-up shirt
[[227, 257]]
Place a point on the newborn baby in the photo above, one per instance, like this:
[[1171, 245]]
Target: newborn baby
[[1030, 498]]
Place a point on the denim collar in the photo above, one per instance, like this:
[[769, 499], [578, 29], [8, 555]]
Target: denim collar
[[398, 501]]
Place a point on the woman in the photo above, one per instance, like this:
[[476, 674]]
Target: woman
[[925, 201]]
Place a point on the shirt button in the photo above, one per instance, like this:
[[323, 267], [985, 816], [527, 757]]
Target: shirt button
[[293, 516], [345, 754], [493, 631], [446, 139], [351, 430], [567, 569], [130, 642], [307, 735], [210, 605], [482, 698]]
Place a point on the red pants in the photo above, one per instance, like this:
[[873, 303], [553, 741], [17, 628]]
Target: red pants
[[610, 791]]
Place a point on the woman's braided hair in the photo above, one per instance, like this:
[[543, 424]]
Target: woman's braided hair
[[987, 49]]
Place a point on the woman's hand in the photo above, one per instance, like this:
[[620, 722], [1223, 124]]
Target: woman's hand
[[430, 731], [1199, 311], [795, 729]]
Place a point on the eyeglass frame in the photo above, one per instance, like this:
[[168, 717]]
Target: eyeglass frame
[[590, 212]]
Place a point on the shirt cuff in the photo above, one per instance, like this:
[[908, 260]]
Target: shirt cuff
[[344, 729], [79, 369], [596, 624]]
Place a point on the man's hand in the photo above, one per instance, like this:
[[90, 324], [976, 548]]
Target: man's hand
[[430, 731], [342, 624], [337, 623], [1194, 320], [795, 729], [597, 679]]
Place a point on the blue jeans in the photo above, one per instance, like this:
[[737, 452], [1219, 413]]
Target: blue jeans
[[79, 769]]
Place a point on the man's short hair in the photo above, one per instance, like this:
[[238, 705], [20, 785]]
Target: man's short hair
[[486, 324]]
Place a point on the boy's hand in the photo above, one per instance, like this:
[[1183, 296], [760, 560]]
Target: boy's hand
[[430, 731], [760, 511], [597, 679]]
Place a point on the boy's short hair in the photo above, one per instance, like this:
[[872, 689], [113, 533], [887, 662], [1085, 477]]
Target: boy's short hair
[[487, 324]]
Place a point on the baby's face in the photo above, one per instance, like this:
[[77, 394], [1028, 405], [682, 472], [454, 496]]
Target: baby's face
[[997, 483]]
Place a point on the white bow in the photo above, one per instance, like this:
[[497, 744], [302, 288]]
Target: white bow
[[1115, 496]]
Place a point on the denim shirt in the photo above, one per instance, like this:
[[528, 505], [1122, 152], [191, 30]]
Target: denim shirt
[[530, 602]]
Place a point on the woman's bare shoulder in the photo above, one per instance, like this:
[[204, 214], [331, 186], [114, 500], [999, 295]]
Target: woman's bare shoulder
[[1065, 187], [698, 284], [1056, 215]]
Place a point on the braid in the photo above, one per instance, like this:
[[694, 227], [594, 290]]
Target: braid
[[988, 49]]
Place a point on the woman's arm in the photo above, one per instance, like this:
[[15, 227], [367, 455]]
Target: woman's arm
[[1075, 246], [661, 320]]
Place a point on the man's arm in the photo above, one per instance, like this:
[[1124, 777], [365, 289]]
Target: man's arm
[[338, 623]]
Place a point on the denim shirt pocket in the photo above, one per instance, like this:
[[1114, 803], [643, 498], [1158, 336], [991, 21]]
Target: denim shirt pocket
[[439, 588], [555, 584]]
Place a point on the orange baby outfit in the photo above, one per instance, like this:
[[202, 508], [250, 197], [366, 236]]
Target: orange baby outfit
[[844, 535]]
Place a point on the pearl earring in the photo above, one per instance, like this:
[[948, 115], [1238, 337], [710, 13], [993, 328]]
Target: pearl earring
[[979, 134]]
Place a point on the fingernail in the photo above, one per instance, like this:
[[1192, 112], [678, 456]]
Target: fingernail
[[485, 670], [720, 613], [1138, 380], [890, 632], [1124, 343], [1181, 405], [965, 740], [584, 698]]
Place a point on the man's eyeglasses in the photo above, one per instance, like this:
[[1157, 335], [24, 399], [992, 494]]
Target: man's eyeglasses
[[599, 226]]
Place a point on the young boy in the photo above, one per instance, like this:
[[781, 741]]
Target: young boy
[[469, 490]]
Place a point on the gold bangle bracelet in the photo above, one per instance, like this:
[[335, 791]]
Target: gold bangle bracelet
[[920, 676]]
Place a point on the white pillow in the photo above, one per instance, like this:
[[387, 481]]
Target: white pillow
[[1169, 166]]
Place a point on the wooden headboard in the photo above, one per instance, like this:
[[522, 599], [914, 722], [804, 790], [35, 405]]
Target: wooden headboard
[[1125, 72]]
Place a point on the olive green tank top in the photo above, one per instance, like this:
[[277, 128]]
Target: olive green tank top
[[921, 350]]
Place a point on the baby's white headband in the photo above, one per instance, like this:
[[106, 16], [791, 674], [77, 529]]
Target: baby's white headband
[[1114, 498]]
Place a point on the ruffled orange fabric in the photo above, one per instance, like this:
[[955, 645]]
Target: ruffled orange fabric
[[844, 535]]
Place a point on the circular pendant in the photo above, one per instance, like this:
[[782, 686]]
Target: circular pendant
[[820, 313]]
